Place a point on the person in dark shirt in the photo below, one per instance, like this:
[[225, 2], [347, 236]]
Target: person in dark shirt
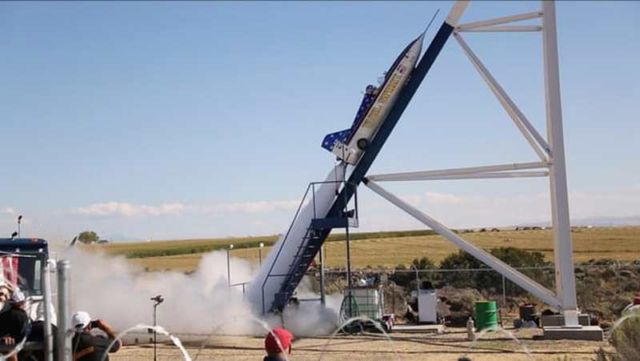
[[276, 343], [14, 323], [87, 346]]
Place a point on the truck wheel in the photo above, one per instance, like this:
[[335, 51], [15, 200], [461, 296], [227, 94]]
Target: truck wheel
[[362, 143]]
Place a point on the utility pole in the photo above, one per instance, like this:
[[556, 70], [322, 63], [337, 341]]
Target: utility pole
[[156, 301], [229, 266], [19, 222]]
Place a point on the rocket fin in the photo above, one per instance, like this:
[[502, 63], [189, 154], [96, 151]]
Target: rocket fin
[[331, 139]]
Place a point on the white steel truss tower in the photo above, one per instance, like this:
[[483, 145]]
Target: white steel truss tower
[[550, 152]]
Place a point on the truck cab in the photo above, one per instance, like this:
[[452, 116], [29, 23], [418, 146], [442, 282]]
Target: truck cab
[[22, 264]]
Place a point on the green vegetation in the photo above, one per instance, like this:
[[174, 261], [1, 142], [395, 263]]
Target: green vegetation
[[514, 257], [625, 340], [474, 279], [183, 247], [88, 237], [388, 249]]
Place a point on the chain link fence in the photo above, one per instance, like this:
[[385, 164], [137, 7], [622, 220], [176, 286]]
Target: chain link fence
[[603, 288]]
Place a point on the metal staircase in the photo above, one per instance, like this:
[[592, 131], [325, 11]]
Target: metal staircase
[[316, 233]]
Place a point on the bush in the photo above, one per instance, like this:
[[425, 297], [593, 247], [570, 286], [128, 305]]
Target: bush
[[626, 341], [517, 258], [514, 257], [400, 276], [405, 278], [460, 260], [423, 263]]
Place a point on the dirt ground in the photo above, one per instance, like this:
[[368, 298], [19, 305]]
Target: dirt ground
[[445, 347]]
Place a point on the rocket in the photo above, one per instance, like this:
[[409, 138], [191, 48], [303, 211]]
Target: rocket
[[349, 144]]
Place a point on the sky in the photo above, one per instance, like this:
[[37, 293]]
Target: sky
[[173, 120]]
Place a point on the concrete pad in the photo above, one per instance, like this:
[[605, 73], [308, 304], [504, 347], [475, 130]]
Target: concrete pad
[[558, 320], [586, 333], [438, 329]]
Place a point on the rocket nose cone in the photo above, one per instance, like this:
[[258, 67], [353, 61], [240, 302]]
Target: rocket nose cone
[[417, 43]]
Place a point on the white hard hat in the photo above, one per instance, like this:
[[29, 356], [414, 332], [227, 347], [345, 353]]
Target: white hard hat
[[17, 296], [80, 320]]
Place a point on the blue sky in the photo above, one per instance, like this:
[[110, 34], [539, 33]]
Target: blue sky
[[161, 120]]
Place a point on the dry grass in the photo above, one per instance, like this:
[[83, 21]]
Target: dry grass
[[620, 243], [402, 347]]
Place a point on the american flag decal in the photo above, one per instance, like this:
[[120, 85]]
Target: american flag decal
[[9, 270], [344, 136]]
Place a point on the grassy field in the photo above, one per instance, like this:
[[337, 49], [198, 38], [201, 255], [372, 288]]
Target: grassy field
[[388, 249]]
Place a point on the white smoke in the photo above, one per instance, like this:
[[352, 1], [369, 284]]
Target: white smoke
[[113, 289]]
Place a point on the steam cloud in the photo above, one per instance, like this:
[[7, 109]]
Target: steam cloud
[[113, 289]]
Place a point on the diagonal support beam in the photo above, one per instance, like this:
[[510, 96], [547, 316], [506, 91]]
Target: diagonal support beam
[[509, 272], [533, 137]]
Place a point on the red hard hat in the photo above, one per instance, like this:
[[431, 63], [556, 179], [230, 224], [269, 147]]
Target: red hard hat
[[285, 337]]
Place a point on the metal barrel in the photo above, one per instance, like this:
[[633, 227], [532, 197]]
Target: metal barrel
[[486, 315], [527, 312]]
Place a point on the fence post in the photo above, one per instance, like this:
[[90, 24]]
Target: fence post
[[504, 292]]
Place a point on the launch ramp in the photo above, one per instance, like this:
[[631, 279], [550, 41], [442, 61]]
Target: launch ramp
[[293, 253]]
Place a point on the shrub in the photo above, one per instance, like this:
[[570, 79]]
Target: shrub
[[626, 341], [493, 280], [460, 260], [405, 278]]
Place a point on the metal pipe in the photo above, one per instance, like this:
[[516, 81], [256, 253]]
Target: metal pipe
[[322, 294], [417, 280], [46, 298], [504, 291], [457, 171], [494, 175], [64, 319], [155, 333], [497, 29], [229, 266], [498, 21], [349, 283]]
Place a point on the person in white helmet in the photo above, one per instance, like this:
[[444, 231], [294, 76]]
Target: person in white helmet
[[89, 347]]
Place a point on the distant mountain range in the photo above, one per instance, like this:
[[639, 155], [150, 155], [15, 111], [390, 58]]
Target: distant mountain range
[[595, 221], [118, 238]]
